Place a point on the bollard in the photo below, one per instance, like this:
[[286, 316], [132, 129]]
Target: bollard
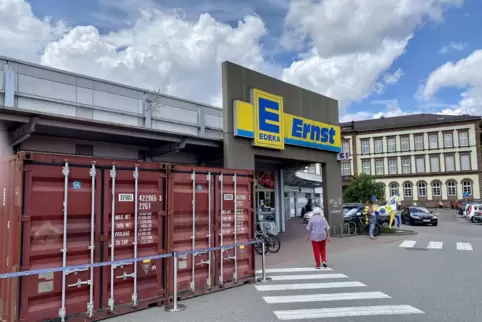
[[264, 278], [175, 307]]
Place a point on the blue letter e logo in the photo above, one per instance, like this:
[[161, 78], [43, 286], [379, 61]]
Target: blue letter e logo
[[269, 118]]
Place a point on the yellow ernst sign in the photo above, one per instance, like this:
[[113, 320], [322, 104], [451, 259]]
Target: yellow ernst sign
[[264, 121]]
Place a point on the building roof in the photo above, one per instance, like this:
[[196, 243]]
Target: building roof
[[414, 120]]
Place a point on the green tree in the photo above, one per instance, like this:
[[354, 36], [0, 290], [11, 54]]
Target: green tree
[[363, 188]]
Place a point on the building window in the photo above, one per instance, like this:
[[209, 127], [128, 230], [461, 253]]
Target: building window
[[378, 146], [433, 141], [418, 142], [346, 146], [449, 163], [346, 168], [451, 188], [366, 167], [365, 147], [391, 145], [463, 138], [407, 190], [420, 163], [467, 187], [379, 167], [392, 166], [394, 189], [422, 189], [405, 143], [405, 165], [464, 162], [435, 163], [436, 190], [448, 140]]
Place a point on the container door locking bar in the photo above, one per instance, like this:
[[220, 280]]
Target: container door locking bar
[[221, 233], [193, 236], [136, 219], [112, 240], [65, 172]]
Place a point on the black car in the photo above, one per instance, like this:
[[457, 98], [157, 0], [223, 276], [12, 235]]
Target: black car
[[418, 215]]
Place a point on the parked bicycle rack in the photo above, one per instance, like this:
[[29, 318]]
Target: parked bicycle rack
[[345, 227]]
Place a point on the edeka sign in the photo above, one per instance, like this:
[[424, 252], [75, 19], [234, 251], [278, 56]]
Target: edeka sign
[[264, 121]]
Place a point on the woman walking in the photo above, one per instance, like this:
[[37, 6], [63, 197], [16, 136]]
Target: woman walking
[[318, 233]]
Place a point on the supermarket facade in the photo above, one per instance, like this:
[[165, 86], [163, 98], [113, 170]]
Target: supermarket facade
[[277, 129]]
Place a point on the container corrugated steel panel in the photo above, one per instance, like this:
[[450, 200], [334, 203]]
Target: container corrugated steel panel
[[174, 203], [12, 188], [151, 219], [197, 196], [42, 230], [191, 202], [235, 224]]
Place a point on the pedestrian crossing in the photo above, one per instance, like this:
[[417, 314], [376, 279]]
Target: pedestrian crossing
[[291, 288], [436, 245]]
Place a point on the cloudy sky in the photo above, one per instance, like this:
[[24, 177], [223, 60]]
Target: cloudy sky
[[377, 57]]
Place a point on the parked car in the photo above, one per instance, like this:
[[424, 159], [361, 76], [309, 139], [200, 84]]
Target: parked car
[[477, 218], [383, 220], [419, 215], [471, 210], [349, 206], [466, 204]]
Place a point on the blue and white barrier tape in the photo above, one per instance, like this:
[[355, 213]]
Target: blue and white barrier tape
[[120, 262]]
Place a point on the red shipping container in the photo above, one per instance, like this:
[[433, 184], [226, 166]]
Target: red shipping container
[[52, 185], [198, 196], [44, 193]]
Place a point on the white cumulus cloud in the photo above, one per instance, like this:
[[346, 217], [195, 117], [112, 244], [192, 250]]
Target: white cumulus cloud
[[464, 74], [162, 51], [344, 49], [352, 42], [22, 34]]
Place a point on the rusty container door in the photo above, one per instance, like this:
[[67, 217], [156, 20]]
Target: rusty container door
[[234, 225], [133, 225], [59, 224], [11, 186], [191, 216]]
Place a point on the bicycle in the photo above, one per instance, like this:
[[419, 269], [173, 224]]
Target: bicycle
[[272, 242], [361, 225]]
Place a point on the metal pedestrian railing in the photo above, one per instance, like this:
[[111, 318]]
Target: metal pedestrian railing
[[346, 229], [175, 307]]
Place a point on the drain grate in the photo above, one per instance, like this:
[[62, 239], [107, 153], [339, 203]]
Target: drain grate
[[416, 249]]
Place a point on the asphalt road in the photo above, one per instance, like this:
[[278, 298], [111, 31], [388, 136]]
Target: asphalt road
[[434, 276]]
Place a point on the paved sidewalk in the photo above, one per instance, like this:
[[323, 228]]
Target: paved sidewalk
[[294, 247]]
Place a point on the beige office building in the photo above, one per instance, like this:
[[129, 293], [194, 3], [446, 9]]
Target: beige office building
[[424, 158]]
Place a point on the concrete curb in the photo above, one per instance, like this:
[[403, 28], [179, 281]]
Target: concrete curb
[[400, 233]]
